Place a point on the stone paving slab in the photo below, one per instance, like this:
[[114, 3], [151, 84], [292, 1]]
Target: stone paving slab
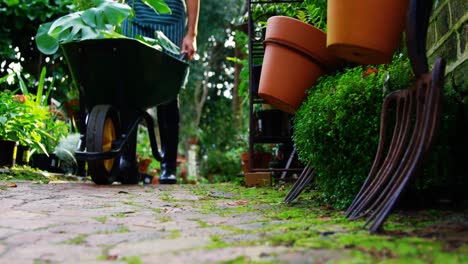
[[86, 223]]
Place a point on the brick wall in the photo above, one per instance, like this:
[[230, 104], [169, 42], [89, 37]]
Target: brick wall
[[447, 35]]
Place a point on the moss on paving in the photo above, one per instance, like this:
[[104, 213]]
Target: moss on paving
[[428, 236], [78, 240], [308, 225], [101, 219]]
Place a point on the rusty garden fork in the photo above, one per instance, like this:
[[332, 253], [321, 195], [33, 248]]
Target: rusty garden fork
[[417, 114]]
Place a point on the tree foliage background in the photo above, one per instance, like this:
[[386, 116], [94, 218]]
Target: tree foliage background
[[208, 103], [210, 109]]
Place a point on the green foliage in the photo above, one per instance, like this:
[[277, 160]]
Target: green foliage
[[19, 20], [241, 39], [94, 23], [21, 119], [336, 128], [26, 117], [313, 12], [222, 165]]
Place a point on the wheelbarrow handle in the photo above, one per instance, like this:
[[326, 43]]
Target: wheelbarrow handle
[[417, 22], [183, 56]]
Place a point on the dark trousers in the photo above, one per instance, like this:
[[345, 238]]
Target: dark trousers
[[168, 121]]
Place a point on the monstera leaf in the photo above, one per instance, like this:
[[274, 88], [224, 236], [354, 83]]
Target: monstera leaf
[[93, 23], [81, 25]]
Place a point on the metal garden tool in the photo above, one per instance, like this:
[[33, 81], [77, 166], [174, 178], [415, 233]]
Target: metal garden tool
[[304, 179], [417, 112]]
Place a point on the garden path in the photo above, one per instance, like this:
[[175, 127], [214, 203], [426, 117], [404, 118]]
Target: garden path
[[80, 222]]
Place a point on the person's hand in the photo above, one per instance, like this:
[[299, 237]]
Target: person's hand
[[189, 46]]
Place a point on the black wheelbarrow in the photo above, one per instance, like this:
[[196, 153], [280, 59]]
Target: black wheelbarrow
[[118, 80]]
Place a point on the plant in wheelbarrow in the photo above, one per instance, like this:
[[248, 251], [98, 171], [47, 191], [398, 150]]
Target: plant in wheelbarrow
[[118, 78], [102, 20]]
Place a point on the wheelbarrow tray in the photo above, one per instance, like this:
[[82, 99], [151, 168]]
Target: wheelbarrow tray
[[125, 73]]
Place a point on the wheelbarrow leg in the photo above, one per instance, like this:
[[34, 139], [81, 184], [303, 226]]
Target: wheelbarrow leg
[[128, 172]]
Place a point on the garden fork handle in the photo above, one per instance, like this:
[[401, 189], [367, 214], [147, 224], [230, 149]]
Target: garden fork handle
[[417, 22]]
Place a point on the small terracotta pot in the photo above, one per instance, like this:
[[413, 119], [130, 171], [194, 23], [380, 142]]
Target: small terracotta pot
[[365, 31], [143, 165], [260, 160], [295, 57]]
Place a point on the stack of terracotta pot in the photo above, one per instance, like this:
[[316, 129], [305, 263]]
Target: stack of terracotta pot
[[297, 54]]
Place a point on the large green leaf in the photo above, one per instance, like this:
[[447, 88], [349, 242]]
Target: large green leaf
[[115, 12], [46, 43], [11, 3], [94, 23], [166, 43], [159, 6], [108, 12]]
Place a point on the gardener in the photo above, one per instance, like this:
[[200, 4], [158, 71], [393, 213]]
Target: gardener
[[181, 28]]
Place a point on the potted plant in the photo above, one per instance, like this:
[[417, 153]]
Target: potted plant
[[365, 31], [26, 118], [295, 57], [21, 120], [8, 147], [48, 160], [261, 157]]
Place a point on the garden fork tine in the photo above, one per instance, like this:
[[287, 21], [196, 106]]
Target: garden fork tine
[[427, 123], [373, 183], [399, 164], [426, 95], [305, 178]]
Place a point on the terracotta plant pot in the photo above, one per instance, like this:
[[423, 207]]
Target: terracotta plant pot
[[8, 150], [143, 165], [365, 31], [260, 160], [295, 57]]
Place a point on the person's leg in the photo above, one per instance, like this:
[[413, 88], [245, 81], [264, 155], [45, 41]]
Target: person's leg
[[168, 121]]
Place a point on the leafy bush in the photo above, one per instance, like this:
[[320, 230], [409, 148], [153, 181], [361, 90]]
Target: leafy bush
[[221, 166], [19, 20], [22, 120], [336, 128]]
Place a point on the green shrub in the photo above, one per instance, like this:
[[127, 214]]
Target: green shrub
[[336, 128], [221, 166]]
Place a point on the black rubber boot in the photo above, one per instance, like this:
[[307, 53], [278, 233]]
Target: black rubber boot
[[168, 121]]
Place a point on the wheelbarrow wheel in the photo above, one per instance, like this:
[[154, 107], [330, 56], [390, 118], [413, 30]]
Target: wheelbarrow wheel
[[102, 129]]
